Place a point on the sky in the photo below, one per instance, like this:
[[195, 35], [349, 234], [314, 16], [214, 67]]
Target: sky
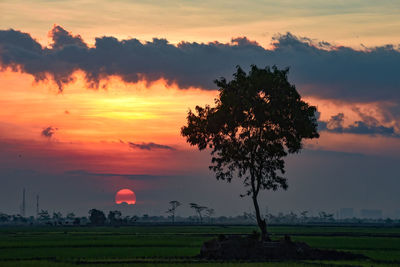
[[93, 95]]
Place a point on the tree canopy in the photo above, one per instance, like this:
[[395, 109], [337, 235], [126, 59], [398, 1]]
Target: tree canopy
[[97, 217], [258, 119], [172, 210]]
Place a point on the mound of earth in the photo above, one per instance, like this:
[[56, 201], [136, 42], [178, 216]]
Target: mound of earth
[[250, 248]]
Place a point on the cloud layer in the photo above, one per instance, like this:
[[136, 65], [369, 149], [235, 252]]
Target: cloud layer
[[149, 146], [318, 68], [111, 175], [368, 125]]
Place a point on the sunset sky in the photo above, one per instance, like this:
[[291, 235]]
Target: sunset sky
[[93, 95]]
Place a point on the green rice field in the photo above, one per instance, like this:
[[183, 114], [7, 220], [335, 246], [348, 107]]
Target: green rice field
[[177, 245]]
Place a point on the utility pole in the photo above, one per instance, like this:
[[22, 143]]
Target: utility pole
[[23, 203]]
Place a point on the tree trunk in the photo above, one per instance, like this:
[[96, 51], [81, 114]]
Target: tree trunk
[[261, 222]]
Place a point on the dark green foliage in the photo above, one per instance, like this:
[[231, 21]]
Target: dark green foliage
[[114, 217], [4, 217], [97, 217], [43, 215], [259, 118]]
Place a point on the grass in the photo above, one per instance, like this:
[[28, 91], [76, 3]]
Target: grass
[[174, 246], [351, 243], [60, 264]]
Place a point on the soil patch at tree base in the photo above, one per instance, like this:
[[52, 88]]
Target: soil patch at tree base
[[250, 248]]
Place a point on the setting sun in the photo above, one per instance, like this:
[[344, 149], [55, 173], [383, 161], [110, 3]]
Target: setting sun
[[125, 196]]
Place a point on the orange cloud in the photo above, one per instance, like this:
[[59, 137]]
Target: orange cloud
[[89, 136], [95, 133]]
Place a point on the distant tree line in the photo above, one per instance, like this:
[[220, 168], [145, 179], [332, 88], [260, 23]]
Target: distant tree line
[[201, 215]]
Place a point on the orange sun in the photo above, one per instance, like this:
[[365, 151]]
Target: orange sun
[[125, 195]]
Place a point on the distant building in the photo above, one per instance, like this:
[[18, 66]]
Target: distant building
[[371, 214], [346, 213]]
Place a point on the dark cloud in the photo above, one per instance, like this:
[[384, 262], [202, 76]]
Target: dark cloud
[[129, 176], [360, 127], [62, 39], [368, 125], [48, 132], [318, 68], [336, 122], [149, 146]]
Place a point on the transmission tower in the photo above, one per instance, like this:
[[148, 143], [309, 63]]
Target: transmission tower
[[23, 207], [37, 205]]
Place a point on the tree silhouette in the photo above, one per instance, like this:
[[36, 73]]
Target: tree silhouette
[[114, 217], [326, 217], [210, 212], [77, 221], [97, 217], [259, 118], [172, 210], [4, 217], [70, 216], [304, 216], [43, 216], [198, 209], [57, 218], [133, 219]]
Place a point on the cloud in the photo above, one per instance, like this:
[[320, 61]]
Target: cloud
[[129, 176], [360, 127], [336, 122], [62, 39], [149, 146], [317, 68], [367, 125], [49, 132]]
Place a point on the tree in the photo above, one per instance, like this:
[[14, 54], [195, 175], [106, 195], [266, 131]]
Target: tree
[[57, 218], [77, 221], [249, 216], [259, 118], [172, 210], [304, 215], [114, 217], [210, 212], [97, 217], [43, 216], [326, 217], [70, 216], [198, 209], [133, 219], [19, 218], [4, 217]]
